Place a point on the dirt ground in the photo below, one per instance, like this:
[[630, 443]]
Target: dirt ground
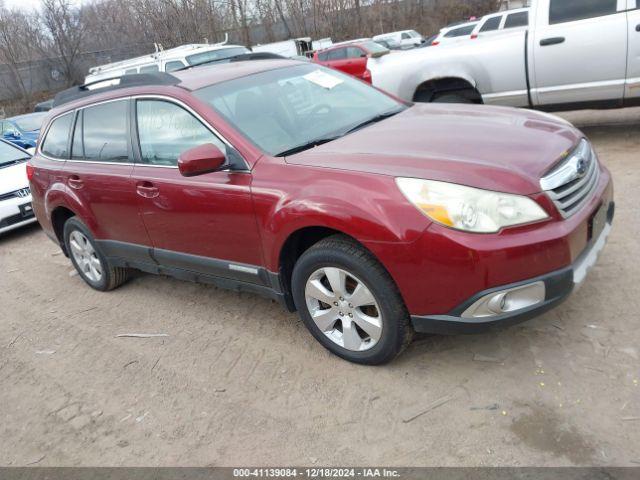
[[239, 381]]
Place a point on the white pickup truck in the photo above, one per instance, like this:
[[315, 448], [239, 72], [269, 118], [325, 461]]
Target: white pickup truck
[[575, 54]]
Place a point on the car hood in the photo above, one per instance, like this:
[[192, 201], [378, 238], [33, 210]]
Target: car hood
[[13, 177], [495, 148]]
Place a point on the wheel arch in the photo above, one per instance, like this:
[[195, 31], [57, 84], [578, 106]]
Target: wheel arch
[[428, 89]]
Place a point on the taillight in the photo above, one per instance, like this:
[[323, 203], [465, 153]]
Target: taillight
[[434, 44], [366, 76], [474, 36], [30, 171]]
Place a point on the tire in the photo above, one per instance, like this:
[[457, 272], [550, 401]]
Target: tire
[[382, 311], [89, 261], [454, 97]]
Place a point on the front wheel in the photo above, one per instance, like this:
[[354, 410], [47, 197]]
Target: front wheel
[[349, 302]]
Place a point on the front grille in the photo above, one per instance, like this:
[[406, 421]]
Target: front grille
[[571, 184], [22, 193], [13, 219]]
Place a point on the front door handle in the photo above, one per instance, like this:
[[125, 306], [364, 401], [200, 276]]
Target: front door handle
[[545, 42], [75, 182], [147, 190]]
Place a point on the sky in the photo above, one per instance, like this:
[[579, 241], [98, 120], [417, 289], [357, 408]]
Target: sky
[[30, 4]]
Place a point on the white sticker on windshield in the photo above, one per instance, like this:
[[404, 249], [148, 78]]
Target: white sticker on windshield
[[323, 79]]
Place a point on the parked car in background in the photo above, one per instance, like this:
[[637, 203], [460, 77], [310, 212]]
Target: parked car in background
[[351, 57], [166, 60], [297, 47], [405, 38], [371, 217], [22, 130], [15, 195], [389, 43], [497, 23], [545, 66], [454, 33]]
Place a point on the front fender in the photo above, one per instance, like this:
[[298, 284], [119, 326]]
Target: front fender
[[367, 207]]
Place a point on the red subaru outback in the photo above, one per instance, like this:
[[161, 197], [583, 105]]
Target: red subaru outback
[[371, 217]]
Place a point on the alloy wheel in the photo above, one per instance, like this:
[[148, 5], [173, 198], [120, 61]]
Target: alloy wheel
[[344, 309], [85, 256]]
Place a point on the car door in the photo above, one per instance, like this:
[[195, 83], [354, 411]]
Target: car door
[[579, 51], [98, 177], [203, 224], [337, 58], [632, 93], [356, 62]]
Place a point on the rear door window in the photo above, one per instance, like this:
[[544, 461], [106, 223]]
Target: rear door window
[[491, 24], [56, 143], [561, 11], [338, 54], [519, 19], [105, 132]]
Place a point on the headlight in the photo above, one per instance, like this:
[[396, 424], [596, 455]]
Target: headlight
[[469, 209]]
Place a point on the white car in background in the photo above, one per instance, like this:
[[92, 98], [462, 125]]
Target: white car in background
[[15, 195], [455, 33], [497, 23], [403, 38]]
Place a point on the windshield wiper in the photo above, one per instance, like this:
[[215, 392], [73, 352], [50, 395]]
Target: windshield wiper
[[306, 146], [376, 119]]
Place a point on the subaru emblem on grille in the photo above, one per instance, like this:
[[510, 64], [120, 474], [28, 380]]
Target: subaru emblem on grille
[[23, 193]]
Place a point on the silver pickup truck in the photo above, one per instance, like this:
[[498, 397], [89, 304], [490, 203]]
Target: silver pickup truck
[[575, 54]]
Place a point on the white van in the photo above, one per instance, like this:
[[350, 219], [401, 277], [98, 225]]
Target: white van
[[166, 60]]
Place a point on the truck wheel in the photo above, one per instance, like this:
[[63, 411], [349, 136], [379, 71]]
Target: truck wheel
[[453, 97], [88, 260], [349, 302]]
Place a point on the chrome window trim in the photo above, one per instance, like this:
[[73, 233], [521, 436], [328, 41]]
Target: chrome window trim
[[161, 97]]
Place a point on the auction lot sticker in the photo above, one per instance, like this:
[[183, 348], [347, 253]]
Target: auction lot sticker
[[323, 79]]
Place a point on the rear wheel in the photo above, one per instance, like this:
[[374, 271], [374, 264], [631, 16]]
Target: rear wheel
[[90, 263], [349, 302]]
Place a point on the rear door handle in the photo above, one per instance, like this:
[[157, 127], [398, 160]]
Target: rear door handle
[[545, 42], [638, 28], [147, 190], [75, 182]]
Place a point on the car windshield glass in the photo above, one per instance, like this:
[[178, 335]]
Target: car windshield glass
[[414, 34], [283, 109], [216, 55], [31, 122], [10, 154]]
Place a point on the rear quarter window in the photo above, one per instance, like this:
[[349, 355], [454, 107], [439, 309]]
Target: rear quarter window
[[491, 24], [56, 142], [520, 19]]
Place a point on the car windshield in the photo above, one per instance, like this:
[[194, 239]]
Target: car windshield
[[10, 154], [414, 34], [30, 122], [216, 55], [287, 108]]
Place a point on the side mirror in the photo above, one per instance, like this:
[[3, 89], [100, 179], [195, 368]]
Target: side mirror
[[379, 54], [199, 160]]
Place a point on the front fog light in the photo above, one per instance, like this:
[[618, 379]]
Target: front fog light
[[507, 301]]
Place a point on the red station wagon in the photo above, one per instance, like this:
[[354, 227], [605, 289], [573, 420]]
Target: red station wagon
[[371, 217], [351, 58]]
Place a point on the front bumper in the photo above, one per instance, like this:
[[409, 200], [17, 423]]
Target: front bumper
[[15, 213], [558, 285]]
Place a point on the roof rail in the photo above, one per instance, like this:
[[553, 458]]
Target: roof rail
[[243, 57], [114, 83]]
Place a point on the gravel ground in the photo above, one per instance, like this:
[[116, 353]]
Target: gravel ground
[[239, 381]]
